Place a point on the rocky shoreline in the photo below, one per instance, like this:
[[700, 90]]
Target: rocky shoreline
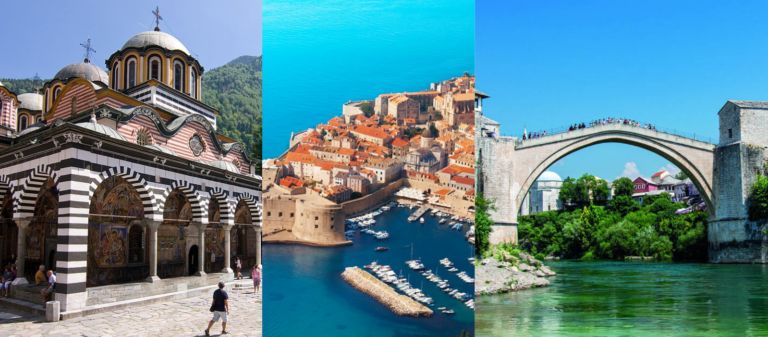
[[399, 304], [504, 272]]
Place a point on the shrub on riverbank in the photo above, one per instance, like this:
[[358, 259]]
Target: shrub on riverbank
[[623, 229]]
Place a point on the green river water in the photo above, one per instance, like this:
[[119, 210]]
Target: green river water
[[609, 298]]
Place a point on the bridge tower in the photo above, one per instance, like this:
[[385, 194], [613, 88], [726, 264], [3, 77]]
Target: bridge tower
[[740, 156]]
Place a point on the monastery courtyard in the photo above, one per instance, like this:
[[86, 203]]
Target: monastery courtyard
[[187, 317]]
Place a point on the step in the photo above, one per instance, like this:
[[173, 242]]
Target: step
[[27, 307]]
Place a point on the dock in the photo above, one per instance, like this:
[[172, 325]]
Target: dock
[[419, 212], [399, 304]]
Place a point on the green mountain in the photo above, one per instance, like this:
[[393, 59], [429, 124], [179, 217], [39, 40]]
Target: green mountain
[[234, 89]]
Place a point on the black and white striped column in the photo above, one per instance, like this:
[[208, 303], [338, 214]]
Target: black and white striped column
[[72, 247]]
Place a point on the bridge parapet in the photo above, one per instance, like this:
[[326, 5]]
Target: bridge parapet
[[614, 127]]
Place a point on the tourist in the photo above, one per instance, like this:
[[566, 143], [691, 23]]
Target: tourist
[[48, 291], [8, 278], [40, 275], [238, 268], [220, 309], [256, 275]]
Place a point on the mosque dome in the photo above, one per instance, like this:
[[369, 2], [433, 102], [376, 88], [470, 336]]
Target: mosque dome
[[94, 126], [549, 176], [84, 70], [31, 101], [155, 38], [161, 149], [225, 165]]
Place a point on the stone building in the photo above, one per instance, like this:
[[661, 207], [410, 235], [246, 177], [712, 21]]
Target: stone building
[[124, 187], [424, 160], [358, 183], [544, 195], [386, 169], [400, 148], [402, 107]]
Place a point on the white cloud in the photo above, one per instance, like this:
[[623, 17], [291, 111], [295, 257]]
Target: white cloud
[[630, 171], [672, 169]]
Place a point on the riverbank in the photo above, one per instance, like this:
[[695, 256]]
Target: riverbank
[[380, 291], [504, 272]]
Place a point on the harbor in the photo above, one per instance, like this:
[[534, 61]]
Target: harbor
[[399, 304], [317, 272]]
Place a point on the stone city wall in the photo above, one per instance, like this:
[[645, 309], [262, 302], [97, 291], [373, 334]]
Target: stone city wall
[[319, 223]]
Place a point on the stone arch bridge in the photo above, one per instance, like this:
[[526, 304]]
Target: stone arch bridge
[[721, 172]]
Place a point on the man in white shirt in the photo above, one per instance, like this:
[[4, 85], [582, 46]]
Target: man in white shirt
[[48, 291]]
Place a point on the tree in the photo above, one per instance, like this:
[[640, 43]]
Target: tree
[[601, 191], [758, 199], [623, 187], [438, 116], [568, 190], [624, 205], [433, 130], [466, 74], [367, 109], [483, 223], [355, 195], [681, 176]]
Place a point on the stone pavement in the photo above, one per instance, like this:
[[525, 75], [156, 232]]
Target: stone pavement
[[187, 317]]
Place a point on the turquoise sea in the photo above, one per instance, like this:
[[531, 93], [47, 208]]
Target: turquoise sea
[[306, 296], [319, 55]]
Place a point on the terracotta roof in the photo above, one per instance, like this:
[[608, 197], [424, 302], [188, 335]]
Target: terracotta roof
[[658, 174], [443, 191], [399, 142], [457, 169], [464, 97], [298, 157], [462, 180], [372, 132]]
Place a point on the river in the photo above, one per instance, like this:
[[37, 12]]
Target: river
[[610, 298], [308, 297]]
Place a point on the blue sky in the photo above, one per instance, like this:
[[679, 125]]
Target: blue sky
[[44, 36], [553, 63]]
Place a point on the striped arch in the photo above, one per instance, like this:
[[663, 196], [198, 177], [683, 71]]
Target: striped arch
[[5, 186], [151, 209], [24, 205], [228, 212], [199, 213], [254, 206]]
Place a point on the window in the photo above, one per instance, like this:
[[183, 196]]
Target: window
[[193, 84], [291, 215], [196, 145], [178, 79], [142, 138], [269, 213], [56, 93], [730, 133], [154, 69], [136, 245], [315, 218], [131, 75], [23, 122], [315, 226], [115, 77], [74, 106], [38, 119], [280, 214]]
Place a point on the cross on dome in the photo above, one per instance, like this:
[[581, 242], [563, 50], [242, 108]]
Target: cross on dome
[[88, 50], [156, 12]]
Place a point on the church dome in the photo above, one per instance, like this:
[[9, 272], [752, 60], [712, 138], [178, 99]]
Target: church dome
[[155, 38], [94, 126], [84, 70], [1, 84], [225, 165], [549, 176], [31, 128], [161, 149], [31, 101]]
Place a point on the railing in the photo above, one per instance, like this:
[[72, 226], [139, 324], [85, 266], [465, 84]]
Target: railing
[[564, 129]]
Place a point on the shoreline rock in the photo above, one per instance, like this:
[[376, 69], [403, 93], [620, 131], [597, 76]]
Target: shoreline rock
[[399, 304], [510, 274]]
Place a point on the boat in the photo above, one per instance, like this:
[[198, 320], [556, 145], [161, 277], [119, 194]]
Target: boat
[[381, 249], [382, 235], [448, 312], [421, 220], [442, 221]]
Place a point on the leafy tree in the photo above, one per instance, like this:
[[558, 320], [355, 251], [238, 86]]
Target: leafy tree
[[433, 130], [438, 116], [758, 199], [623, 187], [600, 190], [624, 205], [21, 86], [568, 190], [483, 223], [681, 176], [367, 109], [355, 195]]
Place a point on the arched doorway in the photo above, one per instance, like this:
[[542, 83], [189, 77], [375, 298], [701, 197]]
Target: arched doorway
[[243, 237], [42, 231], [9, 233], [193, 258], [117, 248], [214, 239], [171, 236]]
